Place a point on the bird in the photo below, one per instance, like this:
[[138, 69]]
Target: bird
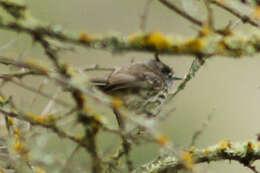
[[142, 86]]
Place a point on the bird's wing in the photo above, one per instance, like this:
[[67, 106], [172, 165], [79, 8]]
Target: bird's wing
[[99, 81], [124, 81], [135, 76]]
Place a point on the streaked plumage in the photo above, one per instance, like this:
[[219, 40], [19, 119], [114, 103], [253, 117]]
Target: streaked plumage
[[142, 86]]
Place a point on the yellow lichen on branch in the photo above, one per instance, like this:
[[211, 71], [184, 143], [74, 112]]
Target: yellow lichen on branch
[[224, 145], [188, 161], [250, 147], [244, 152], [39, 170], [85, 37], [46, 119], [162, 140], [117, 103], [19, 145], [157, 41], [207, 43]]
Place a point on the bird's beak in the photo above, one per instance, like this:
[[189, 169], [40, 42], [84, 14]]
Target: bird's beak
[[177, 78]]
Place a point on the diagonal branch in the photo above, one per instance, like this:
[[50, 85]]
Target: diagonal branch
[[243, 18], [194, 68], [145, 14], [181, 12]]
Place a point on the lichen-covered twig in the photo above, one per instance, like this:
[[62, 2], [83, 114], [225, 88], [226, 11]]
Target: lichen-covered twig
[[45, 123], [208, 43], [195, 66], [245, 153]]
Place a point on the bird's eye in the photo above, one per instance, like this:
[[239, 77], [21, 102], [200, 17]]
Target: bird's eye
[[166, 70], [170, 75]]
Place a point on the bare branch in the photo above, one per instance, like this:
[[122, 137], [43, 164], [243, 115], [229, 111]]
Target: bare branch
[[198, 132], [243, 18], [210, 21], [181, 12], [61, 102], [145, 14]]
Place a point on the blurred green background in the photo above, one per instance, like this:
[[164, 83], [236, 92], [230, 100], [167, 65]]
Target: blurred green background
[[224, 87]]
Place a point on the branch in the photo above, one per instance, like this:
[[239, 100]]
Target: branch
[[32, 89], [245, 153], [48, 124], [181, 12], [96, 67], [145, 14], [207, 43], [19, 74], [195, 66], [243, 18], [197, 133]]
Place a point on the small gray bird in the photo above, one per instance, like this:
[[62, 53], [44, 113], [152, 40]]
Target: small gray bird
[[142, 86]]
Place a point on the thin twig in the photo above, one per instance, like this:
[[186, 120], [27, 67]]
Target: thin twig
[[69, 160], [51, 52], [195, 66], [126, 144], [153, 133], [61, 102], [19, 74], [47, 126], [50, 104], [198, 132], [253, 168], [181, 12], [210, 21], [145, 14], [243, 18], [97, 68], [41, 86], [46, 72], [9, 44]]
